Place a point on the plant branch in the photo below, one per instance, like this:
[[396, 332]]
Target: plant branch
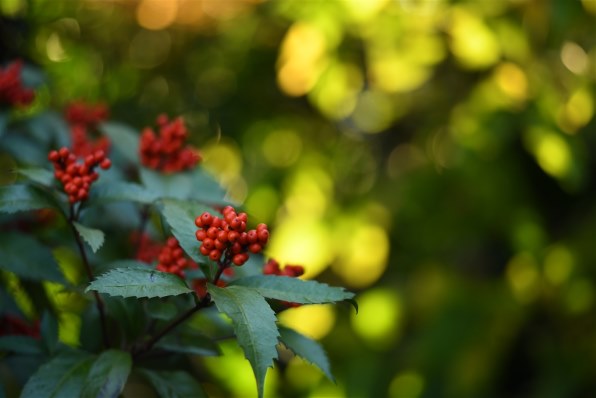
[[98, 300]]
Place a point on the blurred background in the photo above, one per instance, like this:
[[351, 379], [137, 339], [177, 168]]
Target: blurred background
[[436, 157]]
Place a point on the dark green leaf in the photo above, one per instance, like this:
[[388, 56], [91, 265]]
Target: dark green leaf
[[21, 344], [294, 290], [160, 309], [108, 375], [4, 116], [27, 258], [49, 331], [181, 219], [254, 325], [38, 175], [307, 349], [188, 342], [93, 237], [17, 197], [63, 376], [173, 384], [120, 191], [138, 282], [124, 138]]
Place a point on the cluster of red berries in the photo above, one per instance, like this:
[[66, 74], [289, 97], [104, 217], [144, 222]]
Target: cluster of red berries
[[147, 249], [167, 152], [272, 268], [228, 236], [12, 91], [84, 118], [171, 259], [77, 177], [200, 286]]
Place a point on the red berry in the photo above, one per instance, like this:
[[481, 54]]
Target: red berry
[[204, 251], [239, 259], [233, 236], [206, 218], [252, 236], [212, 232], [263, 236], [53, 156], [255, 248], [201, 234], [215, 255], [105, 164], [208, 243]]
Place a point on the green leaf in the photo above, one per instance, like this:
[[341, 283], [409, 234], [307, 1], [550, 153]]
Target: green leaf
[[160, 309], [21, 344], [307, 349], [294, 290], [120, 191], [138, 282], [181, 218], [63, 376], [254, 325], [38, 175], [206, 189], [93, 237], [188, 342], [17, 197], [27, 258], [124, 138], [177, 185], [49, 331], [108, 375], [176, 384]]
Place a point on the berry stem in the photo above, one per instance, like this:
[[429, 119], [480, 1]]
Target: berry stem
[[146, 347], [98, 300]]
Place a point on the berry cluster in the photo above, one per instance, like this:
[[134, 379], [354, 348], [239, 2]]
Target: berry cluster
[[77, 177], [200, 286], [171, 259], [229, 236], [147, 248], [272, 268], [167, 152], [84, 118], [12, 91]]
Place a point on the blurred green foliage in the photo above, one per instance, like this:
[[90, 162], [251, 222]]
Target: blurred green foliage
[[437, 156]]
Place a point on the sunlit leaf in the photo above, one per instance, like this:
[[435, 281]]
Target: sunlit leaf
[[254, 325], [137, 282]]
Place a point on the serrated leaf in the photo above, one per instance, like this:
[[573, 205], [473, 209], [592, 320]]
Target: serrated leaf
[[124, 138], [18, 197], [93, 237], [307, 349], [294, 290], [182, 223], [28, 259], [38, 175], [137, 282], [120, 191], [254, 325], [108, 375], [63, 376], [176, 384], [20, 344]]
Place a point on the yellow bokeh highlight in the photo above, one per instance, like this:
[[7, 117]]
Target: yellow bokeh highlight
[[309, 192], [552, 152], [18, 293], [282, 148], [580, 296], [303, 241], [392, 72], [574, 57], [301, 59], [472, 42], [262, 203], [302, 375], [512, 81], [362, 11], [362, 250], [558, 264], [224, 159], [156, 14], [374, 112], [337, 90], [379, 318], [590, 6], [523, 277], [233, 371], [407, 384], [577, 112], [314, 321], [54, 49]]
